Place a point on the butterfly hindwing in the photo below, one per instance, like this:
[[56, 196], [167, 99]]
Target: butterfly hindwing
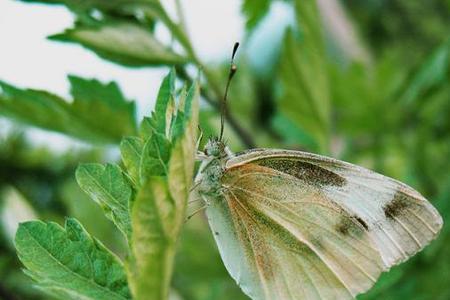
[[285, 247], [293, 225]]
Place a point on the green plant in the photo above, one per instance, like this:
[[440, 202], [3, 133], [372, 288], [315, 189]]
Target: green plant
[[390, 114], [146, 201]]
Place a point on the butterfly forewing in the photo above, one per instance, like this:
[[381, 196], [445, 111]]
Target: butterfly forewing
[[400, 220], [293, 225]]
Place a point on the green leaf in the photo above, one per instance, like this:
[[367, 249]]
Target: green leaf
[[90, 11], [254, 10], [114, 116], [181, 166], [111, 5], [164, 102], [146, 128], [131, 149], [304, 97], [153, 241], [432, 73], [68, 261], [108, 186], [291, 133], [160, 165], [148, 154], [92, 95], [124, 43], [84, 90], [155, 156], [156, 131], [159, 209], [179, 123]]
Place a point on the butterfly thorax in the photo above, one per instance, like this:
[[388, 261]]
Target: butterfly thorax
[[212, 167]]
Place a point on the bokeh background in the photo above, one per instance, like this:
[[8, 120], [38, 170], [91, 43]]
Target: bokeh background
[[366, 81]]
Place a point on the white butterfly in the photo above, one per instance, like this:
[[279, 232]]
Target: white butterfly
[[295, 225]]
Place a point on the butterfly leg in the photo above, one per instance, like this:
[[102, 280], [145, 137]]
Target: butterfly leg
[[204, 206], [195, 200], [196, 211], [196, 184]]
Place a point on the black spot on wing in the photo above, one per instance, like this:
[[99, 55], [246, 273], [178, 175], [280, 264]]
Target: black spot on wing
[[398, 204], [362, 222], [351, 225], [308, 172]]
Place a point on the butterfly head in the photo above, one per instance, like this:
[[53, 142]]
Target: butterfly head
[[216, 148]]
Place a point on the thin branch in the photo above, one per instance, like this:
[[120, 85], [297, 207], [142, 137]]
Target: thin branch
[[243, 135], [181, 18], [180, 33]]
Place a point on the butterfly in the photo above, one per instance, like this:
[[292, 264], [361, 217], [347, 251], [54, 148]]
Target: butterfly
[[295, 225]]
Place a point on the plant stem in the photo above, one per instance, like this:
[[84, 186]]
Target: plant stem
[[244, 136], [181, 18], [216, 91]]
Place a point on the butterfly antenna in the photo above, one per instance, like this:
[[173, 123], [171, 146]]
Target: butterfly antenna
[[231, 73]]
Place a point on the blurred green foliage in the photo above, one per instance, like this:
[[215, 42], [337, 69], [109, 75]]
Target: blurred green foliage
[[390, 113], [114, 116]]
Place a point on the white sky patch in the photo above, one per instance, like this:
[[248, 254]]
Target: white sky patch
[[28, 59]]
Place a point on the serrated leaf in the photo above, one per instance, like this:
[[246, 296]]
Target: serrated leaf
[[155, 131], [181, 165], [165, 99], [155, 156], [161, 118], [124, 43], [146, 128], [184, 115], [181, 168], [159, 211], [108, 186], [92, 95], [85, 90], [304, 97], [153, 245], [114, 116], [70, 262], [177, 126], [131, 150]]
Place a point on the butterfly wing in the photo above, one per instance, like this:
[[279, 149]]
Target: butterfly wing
[[400, 220], [283, 232]]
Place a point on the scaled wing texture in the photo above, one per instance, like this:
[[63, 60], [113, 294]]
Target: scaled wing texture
[[294, 225]]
